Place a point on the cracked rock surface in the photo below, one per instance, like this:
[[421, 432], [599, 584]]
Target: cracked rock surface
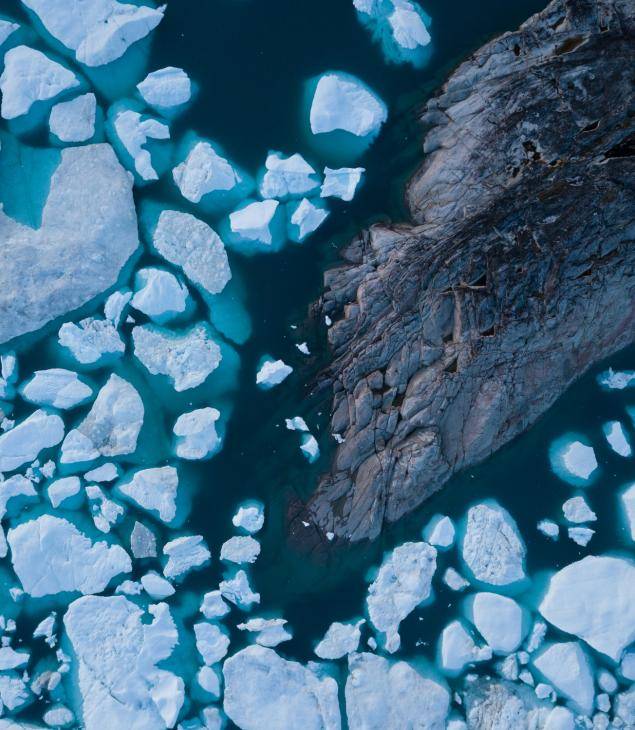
[[454, 333]]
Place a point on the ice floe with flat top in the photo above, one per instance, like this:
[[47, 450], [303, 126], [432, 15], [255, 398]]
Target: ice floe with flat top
[[341, 182], [134, 130], [56, 387], [457, 649], [117, 663], [238, 591], [454, 580], [304, 218], [50, 555], [107, 472], [269, 632], [7, 28], [403, 582], [30, 76], [272, 372], [549, 528], [166, 88], [106, 513], [617, 438], [576, 510], [627, 502], [581, 535], [143, 542], [240, 549], [256, 226], [264, 690], [213, 606], [250, 517], [74, 120], [154, 490], [187, 242], [92, 340], [594, 599], [159, 294], [339, 640], [492, 547], [185, 554], [567, 669], [24, 442], [116, 305], [499, 620], [612, 380], [287, 177], [98, 32], [439, 532], [62, 491], [212, 642], [187, 357], [111, 427], [196, 435], [573, 460], [383, 694]]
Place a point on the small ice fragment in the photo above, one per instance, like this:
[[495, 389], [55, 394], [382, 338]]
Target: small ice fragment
[[91, 340], [297, 423], [238, 591], [272, 373], [566, 667], [241, 549], [617, 438], [304, 348], [134, 132], [154, 490], [209, 681], [309, 447], [23, 443], [143, 543], [62, 489], [56, 387], [498, 619], [606, 681], [339, 640], [213, 605], [74, 121], [58, 716], [7, 28], [253, 222], [105, 512], [211, 642], [287, 177], [341, 183], [627, 666], [577, 510], [129, 588], [549, 528], [159, 294], [115, 306], [196, 436], [439, 532], [205, 171], [270, 632], [537, 636], [572, 460], [166, 88], [457, 649], [105, 473], [46, 629], [249, 517], [185, 554], [627, 499], [303, 218], [156, 586], [454, 580], [612, 380], [581, 535], [30, 76]]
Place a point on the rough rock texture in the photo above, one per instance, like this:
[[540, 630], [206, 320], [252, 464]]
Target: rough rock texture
[[88, 232], [454, 334]]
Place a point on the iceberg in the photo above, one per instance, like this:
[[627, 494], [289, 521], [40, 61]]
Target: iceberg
[[492, 703], [617, 438], [192, 245], [492, 547], [341, 183], [576, 510], [58, 716], [74, 121], [57, 387], [253, 226], [454, 580], [339, 640], [196, 436], [23, 443], [249, 517], [133, 131], [403, 582], [187, 358], [30, 76], [573, 460], [50, 555], [7, 28], [205, 171], [457, 649], [342, 102], [143, 543], [611, 380], [549, 529], [105, 512], [213, 606], [14, 694], [499, 620], [269, 632], [107, 472], [156, 586], [594, 599], [11, 659], [272, 372], [159, 294], [154, 490], [581, 535], [627, 499], [439, 532], [63, 490], [111, 427], [566, 667], [304, 218], [185, 554], [287, 177], [91, 340], [166, 88], [263, 690], [310, 447], [99, 31], [240, 549], [116, 305], [211, 642], [238, 591]]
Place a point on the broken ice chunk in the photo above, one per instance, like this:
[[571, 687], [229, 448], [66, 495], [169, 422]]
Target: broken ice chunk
[[105, 512], [573, 460], [188, 242], [11, 659], [166, 88], [549, 528], [30, 76], [342, 102], [13, 694], [205, 171], [457, 649], [241, 549], [208, 680], [402, 583], [58, 716], [23, 443], [134, 131], [74, 121], [594, 599], [297, 423], [339, 640], [310, 447], [617, 438], [185, 554], [492, 547], [105, 473], [581, 535], [46, 629], [98, 32], [115, 306], [250, 517], [253, 226], [143, 543], [341, 183], [211, 642], [454, 580], [612, 380], [196, 436], [56, 387], [287, 177], [408, 26], [272, 372], [498, 619], [627, 499], [111, 427], [61, 491], [269, 632], [50, 555], [566, 667], [154, 490], [577, 510], [17, 490], [186, 357], [213, 605], [156, 586], [304, 218], [91, 340], [238, 591], [439, 532], [159, 294]]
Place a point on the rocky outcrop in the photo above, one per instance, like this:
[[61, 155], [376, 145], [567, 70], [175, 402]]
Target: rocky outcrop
[[454, 334], [88, 233]]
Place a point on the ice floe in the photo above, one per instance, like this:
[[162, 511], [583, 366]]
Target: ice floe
[[339, 640], [549, 528], [499, 620], [454, 580], [24, 442], [91, 340], [457, 648], [213, 606], [154, 490], [573, 460], [439, 532], [627, 499], [107, 472], [196, 435], [159, 294], [134, 131], [287, 177], [240, 549], [185, 554], [341, 183], [612, 380], [212, 642], [74, 121], [304, 218], [576, 510], [61, 491], [249, 517], [50, 555], [581, 535], [617, 438], [238, 591], [106, 513], [56, 387], [269, 632], [253, 226], [166, 88], [143, 543], [402, 583], [205, 171], [272, 372], [7, 28], [566, 667]]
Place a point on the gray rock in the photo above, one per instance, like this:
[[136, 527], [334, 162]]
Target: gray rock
[[453, 334], [88, 232]]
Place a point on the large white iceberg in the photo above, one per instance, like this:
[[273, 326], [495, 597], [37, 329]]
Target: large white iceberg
[[155, 490], [205, 171], [594, 599], [159, 294], [566, 667], [339, 640], [91, 340], [30, 76], [263, 690], [272, 372], [22, 444], [185, 554], [573, 460], [187, 358], [56, 387], [166, 88], [457, 648], [74, 121], [287, 177], [341, 183], [402, 583], [50, 555], [303, 218], [99, 31], [196, 436], [499, 620]]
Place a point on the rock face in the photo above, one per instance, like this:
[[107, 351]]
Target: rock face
[[72, 257], [454, 334]]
